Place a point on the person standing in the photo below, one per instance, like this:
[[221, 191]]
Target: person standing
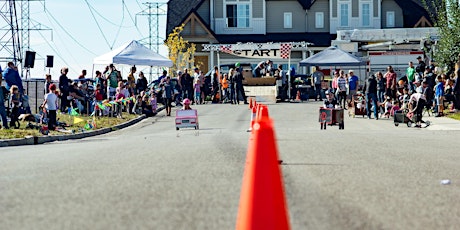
[[390, 77], [215, 83], [439, 96], [51, 105], [239, 85], [64, 87], [410, 73], [168, 93], [82, 75], [232, 86], [132, 81], [421, 66], [113, 76], [334, 82], [342, 89], [318, 77], [370, 88], [353, 81], [380, 87], [187, 85], [47, 83], [2, 105], [165, 73], [11, 76]]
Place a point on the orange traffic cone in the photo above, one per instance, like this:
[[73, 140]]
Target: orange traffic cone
[[253, 118], [250, 103], [254, 103], [262, 201], [297, 97], [262, 112]]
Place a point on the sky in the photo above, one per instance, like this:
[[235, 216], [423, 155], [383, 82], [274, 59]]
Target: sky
[[77, 37]]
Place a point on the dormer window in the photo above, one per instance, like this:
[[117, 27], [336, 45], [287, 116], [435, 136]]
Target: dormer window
[[237, 13]]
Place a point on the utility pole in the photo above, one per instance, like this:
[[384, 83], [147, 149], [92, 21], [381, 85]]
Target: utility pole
[[10, 49], [15, 36], [153, 11]]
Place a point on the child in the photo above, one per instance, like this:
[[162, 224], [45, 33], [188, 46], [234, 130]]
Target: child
[[439, 96], [153, 102], [119, 95], [51, 104], [14, 104], [197, 89], [387, 104], [146, 107], [98, 96], [186, 104], [330, 101], [394, 108]]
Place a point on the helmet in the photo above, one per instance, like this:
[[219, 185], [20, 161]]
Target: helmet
[[186, 101], [237, 64]]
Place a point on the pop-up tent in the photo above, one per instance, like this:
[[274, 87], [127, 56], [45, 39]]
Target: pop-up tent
[[133, 53], [332, 56]]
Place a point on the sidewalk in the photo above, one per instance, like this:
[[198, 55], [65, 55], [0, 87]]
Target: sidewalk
[[442, 123]]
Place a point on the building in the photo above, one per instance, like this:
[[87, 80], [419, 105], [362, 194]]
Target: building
[[262, 23]]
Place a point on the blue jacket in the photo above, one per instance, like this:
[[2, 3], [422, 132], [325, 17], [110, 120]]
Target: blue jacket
[[12, 77], [439, 90]]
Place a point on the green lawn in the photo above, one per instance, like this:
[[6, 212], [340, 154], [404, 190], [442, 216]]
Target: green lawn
[[101, 122]]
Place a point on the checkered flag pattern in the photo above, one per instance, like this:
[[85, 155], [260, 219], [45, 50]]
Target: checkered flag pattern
[[226, 49], [285, 50]]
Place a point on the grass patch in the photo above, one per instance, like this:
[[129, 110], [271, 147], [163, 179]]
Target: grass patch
[[455, 116], [101, 122]]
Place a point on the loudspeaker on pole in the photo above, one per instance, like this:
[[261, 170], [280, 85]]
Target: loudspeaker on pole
[[49, 61], [30, 59]]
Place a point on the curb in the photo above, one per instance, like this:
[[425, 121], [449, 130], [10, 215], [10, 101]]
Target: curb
[[31, 140]]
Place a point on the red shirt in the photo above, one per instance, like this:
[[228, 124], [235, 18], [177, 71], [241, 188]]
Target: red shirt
[[98, 95], [391, 80]]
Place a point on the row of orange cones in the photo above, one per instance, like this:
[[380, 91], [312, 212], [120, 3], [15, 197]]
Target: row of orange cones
[[262, 200]]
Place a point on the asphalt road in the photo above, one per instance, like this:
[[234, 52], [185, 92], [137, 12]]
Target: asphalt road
[[372, 175]]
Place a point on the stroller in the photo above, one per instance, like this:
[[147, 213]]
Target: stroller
[[358, 105]]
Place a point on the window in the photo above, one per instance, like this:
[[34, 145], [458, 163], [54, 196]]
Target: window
[[390, 19], [366, 14], [344, 13], [287, 20], [319, 20], [237, 14]]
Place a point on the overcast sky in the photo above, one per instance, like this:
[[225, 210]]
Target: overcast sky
[[75, 39]]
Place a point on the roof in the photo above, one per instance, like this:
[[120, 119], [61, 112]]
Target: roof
[[332, 56], [318, 39], [178, 11], [413, 10]]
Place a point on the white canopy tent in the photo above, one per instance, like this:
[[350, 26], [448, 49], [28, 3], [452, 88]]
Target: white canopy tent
[[133, 53]]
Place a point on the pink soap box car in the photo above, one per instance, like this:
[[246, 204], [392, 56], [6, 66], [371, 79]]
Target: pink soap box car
[[187, 119]]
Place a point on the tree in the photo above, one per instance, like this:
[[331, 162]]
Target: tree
[[181, 52], [446, 16]]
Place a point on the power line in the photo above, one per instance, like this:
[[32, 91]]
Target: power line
[[132, 19], [56, 52], [106, 19], [121, 23], [98, 26], [73, 38]]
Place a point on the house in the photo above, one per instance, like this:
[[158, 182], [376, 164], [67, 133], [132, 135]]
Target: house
[[257, 22]]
